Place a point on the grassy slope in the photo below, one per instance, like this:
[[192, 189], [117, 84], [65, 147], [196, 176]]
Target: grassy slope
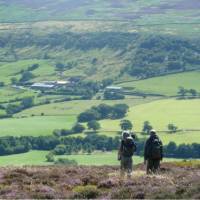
[[35, 126], [58, 116], [183, 113], [78, 106], [166, 85], [38, 158]]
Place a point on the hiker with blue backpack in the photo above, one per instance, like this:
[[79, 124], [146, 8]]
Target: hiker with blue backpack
[[153, 153], [125, 153]]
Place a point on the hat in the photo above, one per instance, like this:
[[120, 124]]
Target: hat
[[153, 131], [125, 134]]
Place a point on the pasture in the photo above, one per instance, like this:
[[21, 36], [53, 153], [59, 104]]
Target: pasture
[[165, 85], [183, 113], [77, 106], [38, 158], [35, 126]]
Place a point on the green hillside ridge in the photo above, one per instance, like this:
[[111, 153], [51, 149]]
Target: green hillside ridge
[[160, 113], [165, 85]]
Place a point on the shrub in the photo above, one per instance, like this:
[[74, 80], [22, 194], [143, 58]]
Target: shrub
[[50, 157], [60, 149], [86, 192], [65, 161]]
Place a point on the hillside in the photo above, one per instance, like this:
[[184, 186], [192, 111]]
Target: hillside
[[67, 64], [138, 11], [164, 85], [100, 182]]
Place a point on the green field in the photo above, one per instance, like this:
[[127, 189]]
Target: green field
[[165, 85], [77, 106], [38, 158], [35, 126], [183, 113]]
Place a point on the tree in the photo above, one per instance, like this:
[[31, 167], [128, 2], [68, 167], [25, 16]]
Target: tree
[[171, 148], [59, 149], [119, 111], [27, 102], [104, 110], [33, 67], [172, 128], [50, 157], [12, 108], [182, 91], [60, 67], [26, 76], [126, 125], [78, 128], [193, 92], [147, 127], [93, 125], [88, 115]]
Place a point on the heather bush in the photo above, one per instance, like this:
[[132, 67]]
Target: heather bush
[[86, 192]]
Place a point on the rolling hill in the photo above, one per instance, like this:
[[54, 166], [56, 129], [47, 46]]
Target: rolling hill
[[165, 85], [138, 11], [150, 48]]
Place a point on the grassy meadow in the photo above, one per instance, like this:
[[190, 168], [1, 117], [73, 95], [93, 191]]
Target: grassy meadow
[[35, 126], [183, 113], [77, 106], [165, 85], [38, 158]]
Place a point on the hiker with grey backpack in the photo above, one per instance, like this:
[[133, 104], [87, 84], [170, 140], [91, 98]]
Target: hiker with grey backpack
[[125, 153], [153, 153]]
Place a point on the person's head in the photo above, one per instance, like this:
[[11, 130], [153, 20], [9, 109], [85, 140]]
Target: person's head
[[152, 132], [125, 134]]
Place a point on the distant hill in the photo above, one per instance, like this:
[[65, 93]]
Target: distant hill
[[139, 11]]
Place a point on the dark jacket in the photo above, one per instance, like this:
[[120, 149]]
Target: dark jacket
[[120, 152], [148, 146]]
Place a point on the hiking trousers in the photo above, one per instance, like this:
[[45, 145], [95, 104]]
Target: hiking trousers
[[153, 166], [126, 165]]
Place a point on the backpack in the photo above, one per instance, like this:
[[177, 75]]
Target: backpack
[[156, 149], [128, 147]]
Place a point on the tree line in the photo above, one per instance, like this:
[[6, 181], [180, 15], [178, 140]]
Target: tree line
[[68, 145], [103, 111]]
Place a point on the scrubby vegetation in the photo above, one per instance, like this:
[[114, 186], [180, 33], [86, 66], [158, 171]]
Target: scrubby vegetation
[[100, 182]]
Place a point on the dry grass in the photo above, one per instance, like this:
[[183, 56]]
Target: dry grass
[[99, 182]]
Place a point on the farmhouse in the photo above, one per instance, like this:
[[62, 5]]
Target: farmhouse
[[114, 89], [42, 86], [47, 85]]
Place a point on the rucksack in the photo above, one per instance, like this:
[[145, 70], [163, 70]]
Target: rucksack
[[128, 147], [155, 149]]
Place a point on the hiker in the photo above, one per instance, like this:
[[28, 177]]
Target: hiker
[[153, 153], [125, 153]]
